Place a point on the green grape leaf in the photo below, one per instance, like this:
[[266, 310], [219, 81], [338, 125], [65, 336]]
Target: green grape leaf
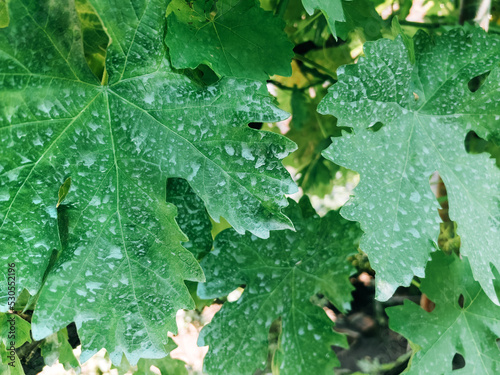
[[166, 365], [332, 10], [344, 16], [7, 365], [464, 321], [14, 329], [360, 14], [14, 332], [281, 275], [192, 216], [63, 191], [408, 42], [121, 268], [57, 348], [425, 111], [234, 38]]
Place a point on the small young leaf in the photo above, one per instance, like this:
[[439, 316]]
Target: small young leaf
[[166, 365], [344, 16], [63, 191], [13, 330], [20, 332], [332, 9], [57, 348], [408, 41]]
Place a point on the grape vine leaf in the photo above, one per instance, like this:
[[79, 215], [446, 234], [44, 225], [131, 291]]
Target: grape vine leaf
[[166, 365], [332, 10], [464, 321], [345, 16], [426, 111], [234, 38], [20, 329], [57, 348], [281, 275], [121, 268]]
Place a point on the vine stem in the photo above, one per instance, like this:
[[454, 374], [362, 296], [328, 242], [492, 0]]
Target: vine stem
[[426, 25], [309, 21], [416, 283], [315, 65]]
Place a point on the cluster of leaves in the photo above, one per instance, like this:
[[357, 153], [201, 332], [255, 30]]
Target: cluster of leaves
[[124, 139]]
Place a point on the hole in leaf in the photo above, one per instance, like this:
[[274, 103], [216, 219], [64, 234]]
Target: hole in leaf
[[448, 240], [439, 189], [73, 338], [498, 343], [476, 82], [274, 341], [4, 14], [235, 294], [474, 144], [95, 39], [458, 361], [376, 127], [461, 301], [496, 281], [208, 76], [256, 125], [154, 370]]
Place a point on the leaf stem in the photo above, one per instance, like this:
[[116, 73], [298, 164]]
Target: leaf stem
[[421, 24], [104, 80], [284, 87], [315, 65], [318, 120], [308, 22], [279, 85], [416, 283]]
